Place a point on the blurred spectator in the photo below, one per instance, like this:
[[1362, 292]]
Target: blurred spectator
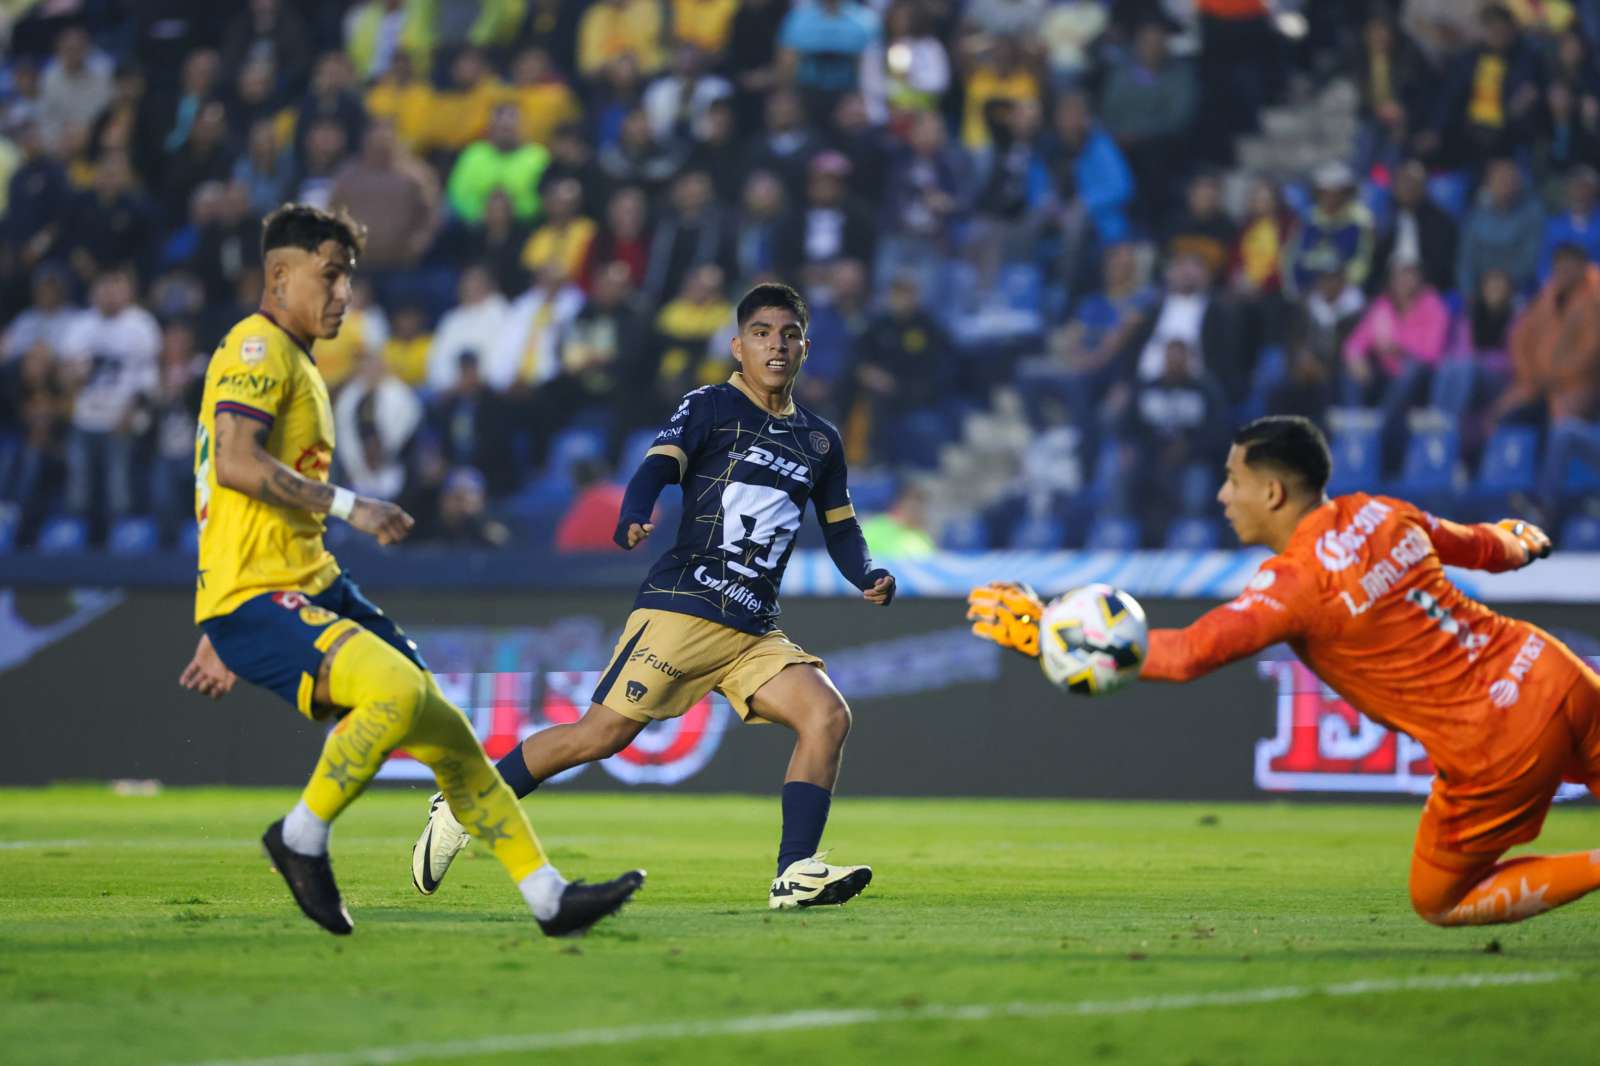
[[676, 102], [830, 225], [704, 24], [503, 162], [1441, 27], [612, 28], [377, 31], [619, 92], [1003, 18], [35, 400], [108, 358], [839, 320], [901, 532], [785, 145], [1339, 224], [866, 147], [405, 353], [1263, 236], [907, 70], [606, 347], [696, 230], [263, 170], [499, 242], [123, 124], [1394, 79], [46, 320], [639, 158], [685, 327], [1578, 223], [266, 29], [1000, 71], [528, 352], [1190, 313], [1571, 136], [573, 156], [820, 48], [464, 112], [229, 240], [1555, 348], [332, 98], [905, 364], [170, 117], [543, 99], [254, 98], [472, 425], [463, 519], [1083, 352], [1389, 359], [1488, 102], [111, 224], [205, 156], [552, 25], [1504, 229], [1089, 180], [1418, 230], [1003, 229], [761, 218], [1204, 228], [929, 184], [472, 326], [324, 155], [564, 237], [716, 150], [361, 338], [1070, 30], [76, 85], [36, 198], [22, 104], [1483, 332], [176, 407], [396, 197], [591, 520], [1148, 107], [378, 414], [751, 58], [406, 99], [621, 240], [1241, 69], [1175, 419]]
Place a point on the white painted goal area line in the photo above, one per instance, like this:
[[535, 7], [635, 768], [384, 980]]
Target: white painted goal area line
[[757, 1024]]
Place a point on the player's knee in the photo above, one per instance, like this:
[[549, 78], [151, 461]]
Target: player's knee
[[830, 721], [603, 732], [1432, 905]]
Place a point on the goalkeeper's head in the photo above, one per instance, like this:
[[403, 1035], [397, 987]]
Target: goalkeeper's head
[[1277, 470], [308, 256]]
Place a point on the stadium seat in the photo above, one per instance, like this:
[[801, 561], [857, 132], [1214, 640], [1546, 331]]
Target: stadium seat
[[1113, 533], [63, 535], [872, 490], [1452, 387], [133, 536], [1198, 489], [1430, 464], [1357, 450], [1510, 462], [964, 533], [1193, 534], [918, 438], [1040, 532], [1580, 533]]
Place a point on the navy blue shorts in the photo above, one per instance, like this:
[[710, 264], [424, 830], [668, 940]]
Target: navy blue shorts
[[277, 639]]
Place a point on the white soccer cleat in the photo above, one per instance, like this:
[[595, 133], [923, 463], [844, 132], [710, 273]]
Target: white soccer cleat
[[441, 841], [813, 883]]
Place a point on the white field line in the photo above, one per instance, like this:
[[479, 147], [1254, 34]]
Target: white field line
[[838, 1019]]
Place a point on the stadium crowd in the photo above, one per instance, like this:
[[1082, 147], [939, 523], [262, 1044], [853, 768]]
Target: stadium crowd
[[564, 200]]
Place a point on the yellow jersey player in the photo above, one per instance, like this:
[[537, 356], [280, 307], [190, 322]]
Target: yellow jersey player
[[275, 609]]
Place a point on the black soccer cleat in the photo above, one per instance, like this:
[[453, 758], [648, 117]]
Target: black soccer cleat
[[582, 905], [310, 880]]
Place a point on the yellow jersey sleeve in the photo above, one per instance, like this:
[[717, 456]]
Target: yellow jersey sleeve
[[252, 374]]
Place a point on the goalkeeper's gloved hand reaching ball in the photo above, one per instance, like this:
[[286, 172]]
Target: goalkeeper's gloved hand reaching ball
[[1006, 612]]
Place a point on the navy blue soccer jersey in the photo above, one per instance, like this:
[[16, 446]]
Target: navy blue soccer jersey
[[746, 475]]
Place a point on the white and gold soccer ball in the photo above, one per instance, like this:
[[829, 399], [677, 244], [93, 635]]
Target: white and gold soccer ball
[[1092, 640]]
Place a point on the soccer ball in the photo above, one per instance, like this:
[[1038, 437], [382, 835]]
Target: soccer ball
[[1092, 640]]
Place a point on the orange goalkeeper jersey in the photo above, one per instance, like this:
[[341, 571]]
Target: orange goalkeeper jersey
[[1361, 596]]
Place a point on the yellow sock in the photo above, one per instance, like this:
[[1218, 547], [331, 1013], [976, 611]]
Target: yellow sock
[[479, 798], [385, 693]]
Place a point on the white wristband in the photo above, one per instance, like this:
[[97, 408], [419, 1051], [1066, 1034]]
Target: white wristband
[[344, 501]]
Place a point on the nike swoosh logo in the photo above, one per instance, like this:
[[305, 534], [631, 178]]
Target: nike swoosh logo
[[775, 429], [486, 793], [428, 883]]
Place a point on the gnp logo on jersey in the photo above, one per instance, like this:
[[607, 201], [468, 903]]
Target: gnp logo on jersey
[[1339, 549]]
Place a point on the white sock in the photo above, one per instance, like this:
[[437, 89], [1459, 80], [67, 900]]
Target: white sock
[[304, 832], [542, 889]]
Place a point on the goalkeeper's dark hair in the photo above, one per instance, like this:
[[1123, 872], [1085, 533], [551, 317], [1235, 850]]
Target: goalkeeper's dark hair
[[773, 294], [308, 228], [1290, 445]]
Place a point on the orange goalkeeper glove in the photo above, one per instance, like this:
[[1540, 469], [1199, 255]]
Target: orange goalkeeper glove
[[1535, 544], [1007, 613]]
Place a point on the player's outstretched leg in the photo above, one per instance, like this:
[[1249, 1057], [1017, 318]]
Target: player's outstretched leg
[[483, 805], [802, 697], [385, 693], [601, 732], [1502, 892]]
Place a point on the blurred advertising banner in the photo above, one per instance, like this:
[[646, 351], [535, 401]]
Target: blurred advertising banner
[[88, 691]]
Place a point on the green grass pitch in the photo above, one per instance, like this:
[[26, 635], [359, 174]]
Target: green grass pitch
[[149, 931]]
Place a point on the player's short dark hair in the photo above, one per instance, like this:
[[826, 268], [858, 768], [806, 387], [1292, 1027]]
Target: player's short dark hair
[[306, 227], [1290, 444], [773, 294]]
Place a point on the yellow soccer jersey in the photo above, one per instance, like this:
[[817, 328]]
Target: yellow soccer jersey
[[248, 547]]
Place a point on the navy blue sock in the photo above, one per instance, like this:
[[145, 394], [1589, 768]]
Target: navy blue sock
[[515, 771], [805, 813]]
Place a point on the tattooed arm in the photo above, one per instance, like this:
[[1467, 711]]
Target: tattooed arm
[[245, 465]]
